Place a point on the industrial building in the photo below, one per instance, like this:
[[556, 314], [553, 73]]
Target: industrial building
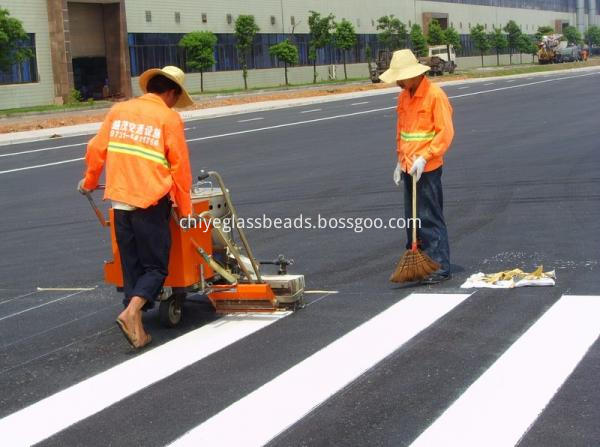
[[100, 47]]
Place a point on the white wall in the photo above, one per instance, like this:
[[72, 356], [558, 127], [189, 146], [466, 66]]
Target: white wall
[[34, 16]]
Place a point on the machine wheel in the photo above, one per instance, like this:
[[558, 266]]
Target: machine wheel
[[170, 311]]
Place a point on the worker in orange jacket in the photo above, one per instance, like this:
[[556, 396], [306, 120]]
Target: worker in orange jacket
[[424, 134], [142, 144]]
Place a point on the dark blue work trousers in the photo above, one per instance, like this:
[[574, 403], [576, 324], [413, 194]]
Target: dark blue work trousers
[[144, 241], [432, 236]]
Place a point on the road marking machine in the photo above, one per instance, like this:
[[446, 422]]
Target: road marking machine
[[206, 259]]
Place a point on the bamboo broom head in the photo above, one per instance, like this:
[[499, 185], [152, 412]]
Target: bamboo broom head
[[413, 265]]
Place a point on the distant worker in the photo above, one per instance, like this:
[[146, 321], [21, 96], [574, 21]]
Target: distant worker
[[424, 133], [142, 143]]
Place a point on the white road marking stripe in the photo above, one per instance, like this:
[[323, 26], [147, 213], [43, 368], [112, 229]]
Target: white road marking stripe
[[309, 111], [320, 291], [40, 305], [42, 149], [251, 119], [489, 83], [503, 403], [26, 168], [317, 119], [522, 85], [65, 408], [462, 88], [65, 289], [300, 389], [359, 103], [20, 296], [510, 80]]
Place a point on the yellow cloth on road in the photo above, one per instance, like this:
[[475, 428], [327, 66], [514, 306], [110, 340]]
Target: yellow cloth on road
[[509, 279]]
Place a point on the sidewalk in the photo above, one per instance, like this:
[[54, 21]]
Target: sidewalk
[[215, 112]]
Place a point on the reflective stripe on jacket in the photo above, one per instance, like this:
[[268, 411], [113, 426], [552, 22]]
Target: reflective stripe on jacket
[[142, 142], [424, 126]]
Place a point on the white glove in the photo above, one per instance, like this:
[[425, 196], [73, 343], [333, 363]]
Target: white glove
[[397, 172], [417, 168], [80, 187]]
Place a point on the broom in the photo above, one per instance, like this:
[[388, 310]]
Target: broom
[[414, 265]]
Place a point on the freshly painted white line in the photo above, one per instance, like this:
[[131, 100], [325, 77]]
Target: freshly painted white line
[[251, 119], [65, 408], [320, 291], [498, 408], [65, 289], [300, 389], [20, 296], [40, 305], [42, 149], [26, 168], [489, 83], [359, 103], [462, 88], [297, 123], [510, 80], [320, 119], [312, 110], [522, 85]]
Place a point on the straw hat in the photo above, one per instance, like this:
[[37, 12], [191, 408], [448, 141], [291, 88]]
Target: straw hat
[[176, 75], [404, 65]]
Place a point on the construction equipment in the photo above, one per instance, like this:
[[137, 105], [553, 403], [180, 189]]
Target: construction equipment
[[553, 49], [414, 264], [438, 59], [441, 58], [206, 259]]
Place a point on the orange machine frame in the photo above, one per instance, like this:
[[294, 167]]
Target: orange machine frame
[[184, 259]]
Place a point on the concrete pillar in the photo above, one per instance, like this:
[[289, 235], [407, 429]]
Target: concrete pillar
[[60, 49], [581, 16], [117, 49], [592, 13]]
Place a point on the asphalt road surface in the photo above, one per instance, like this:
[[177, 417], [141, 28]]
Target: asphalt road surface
[[365, 362]]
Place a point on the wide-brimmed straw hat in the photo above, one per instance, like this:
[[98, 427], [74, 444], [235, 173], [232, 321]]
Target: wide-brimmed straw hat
[[404, 65], [176, 75]]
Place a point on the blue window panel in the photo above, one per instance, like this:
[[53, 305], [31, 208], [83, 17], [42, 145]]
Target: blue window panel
[[23, 72]]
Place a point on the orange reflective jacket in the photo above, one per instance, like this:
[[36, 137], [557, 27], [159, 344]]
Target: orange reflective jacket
[[142, 142], [424, 126]]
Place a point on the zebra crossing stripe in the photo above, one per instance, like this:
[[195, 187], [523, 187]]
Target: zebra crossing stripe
[[499, 407], [297, 391], [57, 412]]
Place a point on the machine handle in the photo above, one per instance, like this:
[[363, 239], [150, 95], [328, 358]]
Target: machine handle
[[203, 175], [97, 212]]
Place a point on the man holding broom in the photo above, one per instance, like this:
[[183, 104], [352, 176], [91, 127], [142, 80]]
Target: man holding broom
[[425, 131]]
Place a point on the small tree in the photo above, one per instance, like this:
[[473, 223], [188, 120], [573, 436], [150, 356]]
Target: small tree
[[524, 45], [497, 41], [12, 35], [543, 31], [436, 34], [480, 40], [592, 35], [573, 35], [393, 35], [320, 36], [245, 30], [513, 36], [451, 37], [419, 43], [344, 39], [200, 51], [286, 52]]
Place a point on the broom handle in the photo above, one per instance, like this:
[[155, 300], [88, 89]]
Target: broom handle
[[414, 213]]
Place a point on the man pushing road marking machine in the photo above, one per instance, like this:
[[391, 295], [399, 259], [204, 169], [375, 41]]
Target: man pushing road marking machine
[[142, 144]]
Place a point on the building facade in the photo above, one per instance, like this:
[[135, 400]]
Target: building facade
[[100, 47]]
